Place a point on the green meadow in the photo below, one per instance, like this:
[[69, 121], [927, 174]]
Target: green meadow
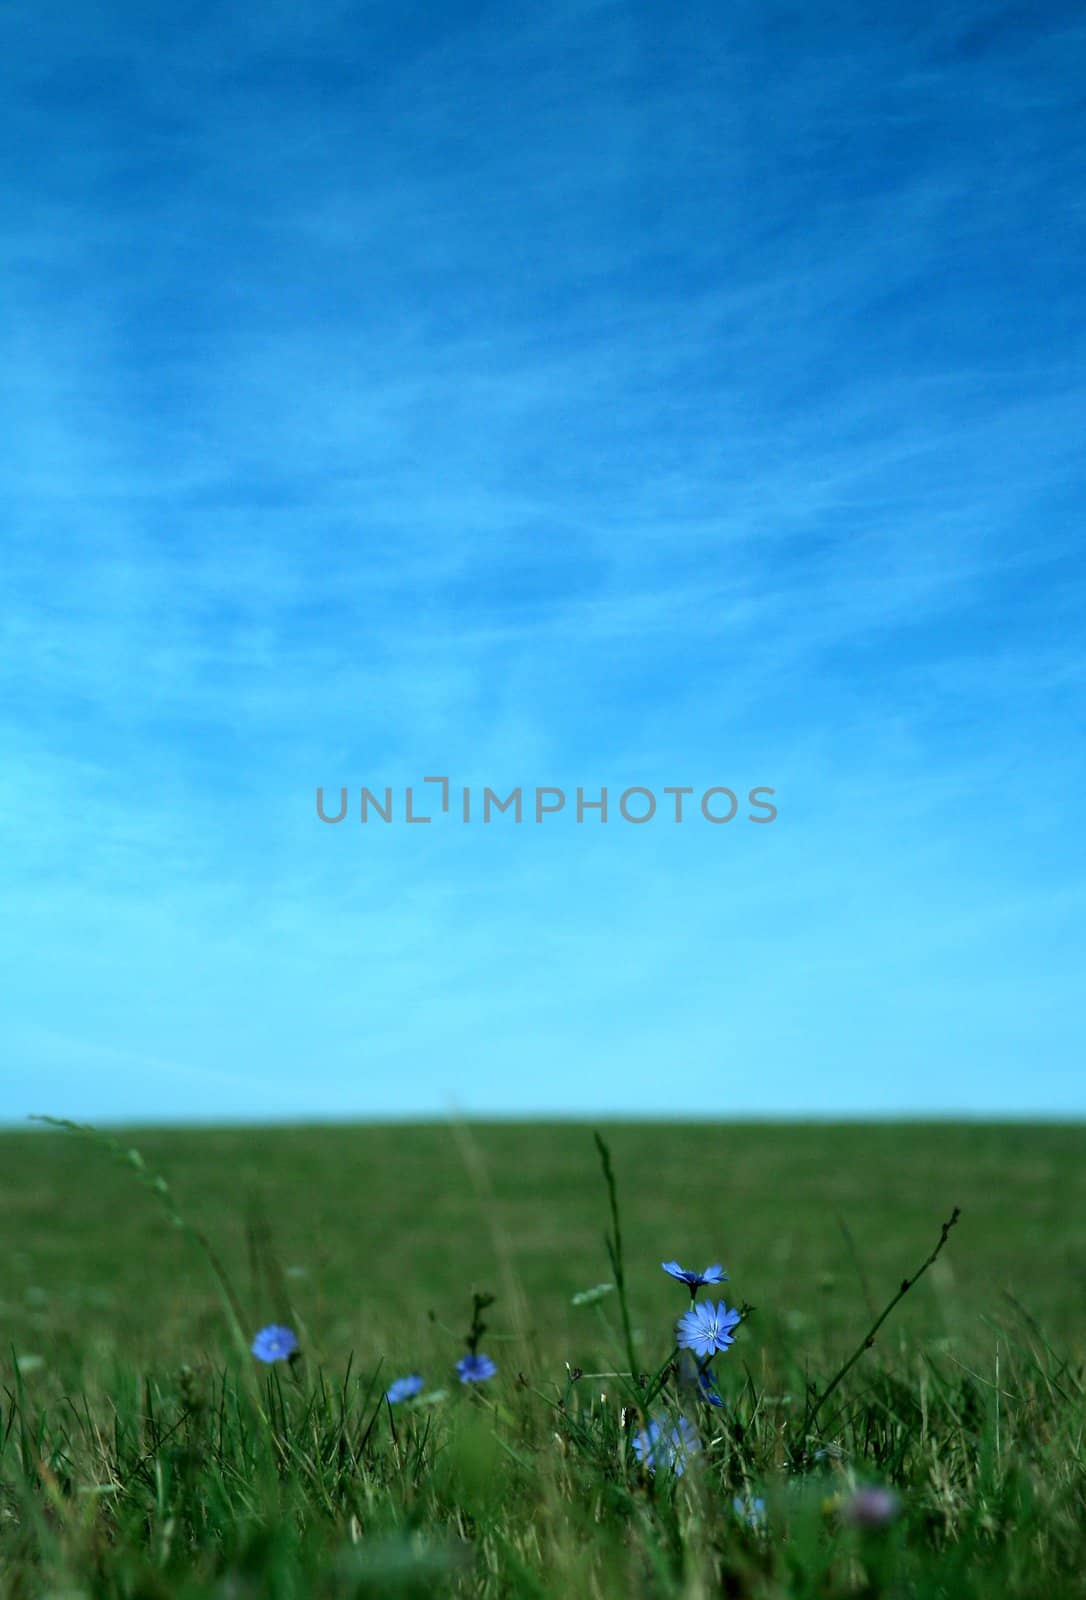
[[146, 1453]]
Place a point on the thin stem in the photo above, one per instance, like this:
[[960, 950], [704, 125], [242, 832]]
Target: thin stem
[[869, 1337], [614, 1249]]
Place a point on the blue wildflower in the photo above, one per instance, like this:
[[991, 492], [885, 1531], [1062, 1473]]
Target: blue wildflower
[[404, 1388], [694, 1280], [696, 1380], [274, 1343], [644, 1444], [657, 1446], [706, 1328], [474, 1368], [709, 1391], [751, 1509]]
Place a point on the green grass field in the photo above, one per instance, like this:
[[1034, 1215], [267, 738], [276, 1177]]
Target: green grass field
[[146, 1454]]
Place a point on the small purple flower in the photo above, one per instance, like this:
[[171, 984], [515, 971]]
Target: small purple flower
[[706, 1328], [658, 1446], [474, 1369], [870, 1507], [274, 1343], [694, 1280], [403, 1388]]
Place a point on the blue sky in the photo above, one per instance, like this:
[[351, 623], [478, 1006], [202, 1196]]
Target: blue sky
[[590, 394]]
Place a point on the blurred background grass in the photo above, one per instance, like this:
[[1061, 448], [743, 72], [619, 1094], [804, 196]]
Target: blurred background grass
[[375, 1226]]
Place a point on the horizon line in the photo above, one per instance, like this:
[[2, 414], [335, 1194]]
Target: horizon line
[[33, 1123]]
